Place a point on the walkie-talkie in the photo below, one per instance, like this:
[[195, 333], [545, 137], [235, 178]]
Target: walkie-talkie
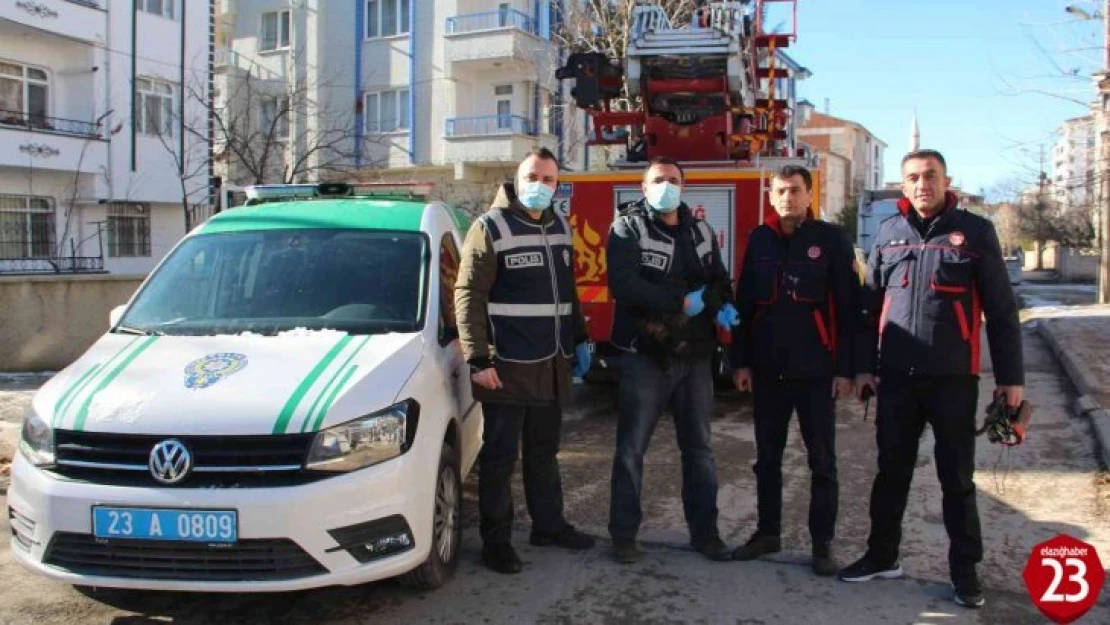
[[866, 394]]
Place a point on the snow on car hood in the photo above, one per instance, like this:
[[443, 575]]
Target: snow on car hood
[[243, 384]]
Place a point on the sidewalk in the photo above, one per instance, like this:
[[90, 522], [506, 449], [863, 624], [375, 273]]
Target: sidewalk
[[1080, 338]]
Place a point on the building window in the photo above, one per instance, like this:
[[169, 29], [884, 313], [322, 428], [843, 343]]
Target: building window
[[387, 111], [24, 94], [876, 153], [128, 230], [385, 18], [275, 118], [274, 33], [163, 8], [154, 107], [503, 97], [26, 227]]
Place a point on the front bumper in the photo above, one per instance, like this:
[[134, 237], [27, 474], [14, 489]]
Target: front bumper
[[295, 520]]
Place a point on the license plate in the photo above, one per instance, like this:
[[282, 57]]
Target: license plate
[[205, 526]]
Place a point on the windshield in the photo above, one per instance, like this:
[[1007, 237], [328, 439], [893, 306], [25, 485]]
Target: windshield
[[266, 282]]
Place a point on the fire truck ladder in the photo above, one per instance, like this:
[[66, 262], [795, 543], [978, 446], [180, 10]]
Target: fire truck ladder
[[766, 123]]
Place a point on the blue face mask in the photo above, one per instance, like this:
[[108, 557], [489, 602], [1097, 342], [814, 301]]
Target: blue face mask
[[663, 197], [535, 195]]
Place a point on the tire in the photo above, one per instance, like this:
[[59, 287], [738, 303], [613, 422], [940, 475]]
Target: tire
[[446, 527]]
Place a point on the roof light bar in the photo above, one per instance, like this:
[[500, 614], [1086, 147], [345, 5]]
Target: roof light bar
[[283, 192]]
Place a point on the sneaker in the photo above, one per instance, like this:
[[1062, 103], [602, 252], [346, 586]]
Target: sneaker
[[713, 548], [569, 538], [758, 545], [967, 591], [501, 557], [625, 550], [824, 564], [867, 568]]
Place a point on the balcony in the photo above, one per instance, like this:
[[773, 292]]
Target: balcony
[[84, 20], [492, 139], [489, 40], [488, 125], [50, 143]]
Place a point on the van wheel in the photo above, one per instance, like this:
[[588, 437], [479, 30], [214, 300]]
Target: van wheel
[[446, 527]]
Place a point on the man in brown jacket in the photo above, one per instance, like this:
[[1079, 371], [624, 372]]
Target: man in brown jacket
[[522, 332]]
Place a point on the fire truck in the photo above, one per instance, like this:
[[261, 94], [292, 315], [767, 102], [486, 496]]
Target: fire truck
[[713, 94]]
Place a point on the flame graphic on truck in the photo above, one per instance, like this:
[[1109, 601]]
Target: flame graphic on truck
[[591, 261]]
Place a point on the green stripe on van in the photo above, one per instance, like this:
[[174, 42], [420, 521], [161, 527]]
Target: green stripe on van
[[80, 387], [108, 379], [315, 404], [73, 389], [306, 384], [331, 398]]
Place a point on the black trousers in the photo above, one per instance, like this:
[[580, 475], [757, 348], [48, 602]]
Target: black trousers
[[543, 490], [906, 404], [775, 400]]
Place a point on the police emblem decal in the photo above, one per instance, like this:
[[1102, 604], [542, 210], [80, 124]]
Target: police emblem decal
[[814, 252], [206, 371], [956, 238]]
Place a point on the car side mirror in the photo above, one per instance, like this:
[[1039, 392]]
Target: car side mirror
[[116, 315]]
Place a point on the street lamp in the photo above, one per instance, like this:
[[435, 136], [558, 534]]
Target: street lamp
[[1082, 13]]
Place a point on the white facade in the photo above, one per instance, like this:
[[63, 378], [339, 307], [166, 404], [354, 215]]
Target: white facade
[[450, 91], [97, 134], [1073, 163]]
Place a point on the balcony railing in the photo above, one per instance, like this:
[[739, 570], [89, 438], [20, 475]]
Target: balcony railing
[[489, 125], [42, 123], [491, 20]]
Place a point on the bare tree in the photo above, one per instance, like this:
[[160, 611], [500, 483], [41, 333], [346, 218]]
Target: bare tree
[[273, 129], [1035, 215]]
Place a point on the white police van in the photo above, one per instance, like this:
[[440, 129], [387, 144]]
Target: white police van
[[283, 404]]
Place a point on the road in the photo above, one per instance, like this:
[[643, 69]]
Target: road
[[1050, 485]]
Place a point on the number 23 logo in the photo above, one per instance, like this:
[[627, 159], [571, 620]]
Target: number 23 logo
[[1051, 593]]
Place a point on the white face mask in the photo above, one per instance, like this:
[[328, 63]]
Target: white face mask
[[663, 197]]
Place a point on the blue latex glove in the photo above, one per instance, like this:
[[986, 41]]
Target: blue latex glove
[[581, 360], [693, 303], [727, 317]]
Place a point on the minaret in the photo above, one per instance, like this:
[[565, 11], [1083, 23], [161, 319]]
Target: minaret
[[915, 134]]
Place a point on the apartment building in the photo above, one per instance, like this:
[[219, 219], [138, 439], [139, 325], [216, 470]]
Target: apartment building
[[1073, 162], [101, 147], [834, 172], [453, 92], [849, 139]]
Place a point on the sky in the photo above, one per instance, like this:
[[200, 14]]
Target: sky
[[989, 79]]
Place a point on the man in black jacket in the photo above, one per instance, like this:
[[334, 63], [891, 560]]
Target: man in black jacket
[[670, 287], [935, 271], [798, 300]]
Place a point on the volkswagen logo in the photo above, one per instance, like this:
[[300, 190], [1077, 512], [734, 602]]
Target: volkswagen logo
[[170, 461]]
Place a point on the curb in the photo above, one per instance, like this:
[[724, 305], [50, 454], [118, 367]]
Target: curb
[[1085, 404], [1084, 383]]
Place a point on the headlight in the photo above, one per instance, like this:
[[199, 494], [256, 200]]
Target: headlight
[[36, 441], [366, 441]]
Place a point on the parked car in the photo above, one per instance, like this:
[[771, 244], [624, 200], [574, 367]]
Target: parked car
[[283, 404]]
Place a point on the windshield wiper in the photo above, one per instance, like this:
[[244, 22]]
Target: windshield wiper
[[130, 330]]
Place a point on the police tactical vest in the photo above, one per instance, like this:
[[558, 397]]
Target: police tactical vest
[[657, 252], [530, 302]]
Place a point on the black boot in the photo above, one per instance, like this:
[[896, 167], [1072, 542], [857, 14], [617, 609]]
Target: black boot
[[757, 545], [824, 564], [713, 548], [625, 550], [501, 557]]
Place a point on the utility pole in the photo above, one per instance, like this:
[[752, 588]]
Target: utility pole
[[1104, 157], [1103, 130]]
